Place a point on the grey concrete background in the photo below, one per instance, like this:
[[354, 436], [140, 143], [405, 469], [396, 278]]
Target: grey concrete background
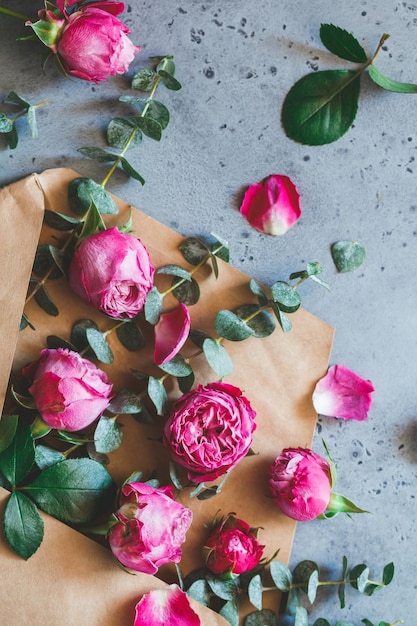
[[236, 60]]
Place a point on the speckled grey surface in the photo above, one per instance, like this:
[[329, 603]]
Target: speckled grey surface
[[236, 60]]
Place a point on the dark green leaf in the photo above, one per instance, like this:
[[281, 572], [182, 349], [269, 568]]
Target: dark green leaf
[[5, 124], [371, 588], [81, 191], [130, 336], [261, 324], [74, 491], [389, 84], [17, 459], [14, 98], [8, 427], [221, 248], [224, 589], [53, 342], [45, 457], [199, 591], [153, 306], [158, 112], [198, 337], [167, 64], [359, 574], [93, 223], [150, 127], [44, 261], [177, 366], [12, 138], [169, 81], [125, 402], [187, 292], [287, 298], [257, 290], [175, 270], [121, 132], [347, 255], [321, 107], [321, 622], [59, 221], [342, 43], [388, 573], [78, 333], [98, 343], [194, 250], [24, 322], [185, 383], [231, 327], [281, 575], [98, 154], [158, 395], [255, 592], [266, 617], [302, 573], [43, 299], [144, 80], [217, 357], [130, 170], [342, 586], [107, 435], [205, 494], [23, 525], [26, 401]]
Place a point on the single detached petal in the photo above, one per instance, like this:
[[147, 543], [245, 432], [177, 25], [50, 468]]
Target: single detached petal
[[171, 333], [272, 206], [165, 607], [344, 394]]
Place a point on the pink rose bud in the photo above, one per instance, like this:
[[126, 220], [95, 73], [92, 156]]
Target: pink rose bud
[[171, 333], [93, 44], [112, 271], [232, 547], [165, 607], [150, 528], [300, 483], [209, 430], [272, 206], [342, 393], [69, 391]]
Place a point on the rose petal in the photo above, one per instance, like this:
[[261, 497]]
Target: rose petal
[[165, 607], [273, 205], [343, 394], [171, 333]]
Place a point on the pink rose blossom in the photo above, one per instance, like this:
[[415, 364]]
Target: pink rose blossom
[[69, 391], [166, 607], [171, 333], [344, 394], [300, 483], [150, 527], [209, 430], [112, 271], [272, 206], [232, 547]]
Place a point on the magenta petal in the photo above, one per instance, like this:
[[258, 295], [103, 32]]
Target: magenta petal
[[165, 607], [272, 206], [171, 333], [344, 394]]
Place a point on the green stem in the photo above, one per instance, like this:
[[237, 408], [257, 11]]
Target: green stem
[[15, 14]]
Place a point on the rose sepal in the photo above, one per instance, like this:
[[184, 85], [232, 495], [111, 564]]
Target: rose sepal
[[340, 504], [48, 31], [39, 428]]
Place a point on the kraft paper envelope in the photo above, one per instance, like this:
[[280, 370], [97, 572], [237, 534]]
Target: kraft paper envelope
[[277, 374]]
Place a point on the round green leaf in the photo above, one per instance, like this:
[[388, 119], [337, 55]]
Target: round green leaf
[[359, 574], [257, 290], [347, 255], [169, 81], [321, 622], [265, 617], [321, 107], [261, 324], [187, 292], [342, 43], [224, 589], [98, 343], [121, 132], [150, 127], [158, 112], [23, 525], [5, 124], [125, 402], [153, 306], [43, 262], [302, 573], [199, 591], [144, 79], [157, 393], [194, 250], [313, 583], [281, 575], [82, 190], [130, 336], [231, 327], [287, 298], [107, 435], [283, 320], [255, 592], [98, 154], [217, 357], [177, 366], [78, 333]]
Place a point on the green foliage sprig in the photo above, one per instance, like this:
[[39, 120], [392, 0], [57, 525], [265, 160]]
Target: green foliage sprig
[[8, 126], [321, 107]]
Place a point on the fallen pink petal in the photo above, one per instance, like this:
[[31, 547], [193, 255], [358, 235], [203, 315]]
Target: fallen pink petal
[[343, 394], [171, 333], [273, 205], [165, 607]]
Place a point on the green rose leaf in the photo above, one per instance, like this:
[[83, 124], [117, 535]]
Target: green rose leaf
[[169, 81], [5, 124], [75, 491], [187, 292], [45, 456], [23, 525], [177, 366], [255, 592], [261, 324], [144, 80], [82, 190], [125, 402], [342, 43], [287, 298], [321, 107], [194, 250], [121, 132], [281, 575], [130, 336], [153, 306], [231, 327], [130, 170], [8, 427], [199, 591], [341, 504], [389, 84], [107, 435], [158, 395], [174, 270], [18, 458], [265, 617], [347, 255], [217, 357], [98, 343]]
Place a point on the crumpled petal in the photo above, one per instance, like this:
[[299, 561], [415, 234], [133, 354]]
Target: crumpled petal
[[171, 333], [165, 607], [343, 394], [272, 206]]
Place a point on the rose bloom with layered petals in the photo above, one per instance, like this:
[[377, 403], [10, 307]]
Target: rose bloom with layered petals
[[300, 483], [112, 271], [150, 527], [69, 391], [166, 607], [209, 430], [273, 205], [343, 394], [232, 547], [93, 44]]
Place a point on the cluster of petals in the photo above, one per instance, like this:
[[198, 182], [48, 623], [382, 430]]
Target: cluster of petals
[[342, 393]]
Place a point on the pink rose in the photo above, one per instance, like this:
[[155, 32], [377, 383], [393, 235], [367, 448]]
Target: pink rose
[[300, 483], [165, 607], [93, 44], [232, 547], [112, 271], [342, 393], [69, 391], [209, 430], [272, 206], [150, 527], [171, 333]]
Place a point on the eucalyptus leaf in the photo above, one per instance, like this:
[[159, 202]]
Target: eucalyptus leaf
[[23, 525], [31, 118], [53, 342], [217, 357], [130, 336], [44, 262], [43, 299], [45, 456], [302, 572], [169, 81], [283, 320], [8, 427], [82, 190], [98, 343], [14, 98], [257, 290], [121, 133], [342, 43], [125, 402], [107, 435], [174, 270], [229, 326], [75, 491], [93, 222], [25, 322], [144, 79], [230, 612], [265, 617], [359, 575], [281, 575], [313, 583], [153, 306], [18, 458], [6, 125], [261, 323], [150, 127], [389, 84], [221, 248], [167, 64], [255, 592], [158, 112], [98, 154], [187, 292], [177, 366], [130, 170], [287, 298], [59, 221], [347, 255], [78, 333], [199, 591], [185, 383], [321, 622], [342, 587], [194, 250], [388, 573], [12, 138], [224, 589], [321, 107], [158, 395], [301, 616]]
